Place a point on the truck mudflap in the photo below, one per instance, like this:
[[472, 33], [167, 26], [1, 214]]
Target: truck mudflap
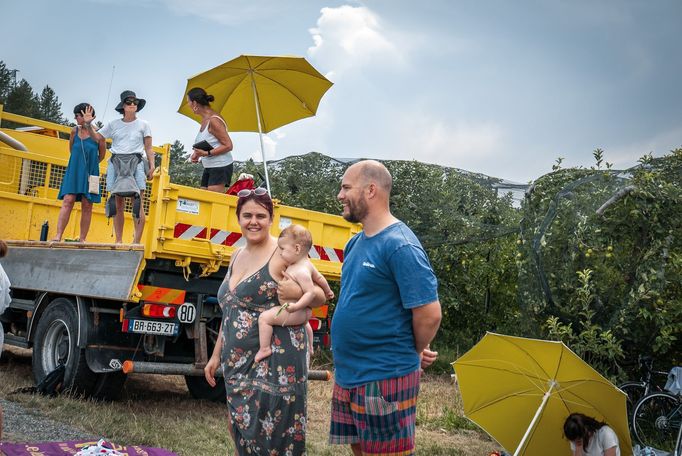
[[103, 271]]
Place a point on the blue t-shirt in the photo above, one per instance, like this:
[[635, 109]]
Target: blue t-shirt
[[382, 279]]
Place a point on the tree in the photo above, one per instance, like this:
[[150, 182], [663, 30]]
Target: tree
[[49, 107], [21, 100], [181, 171], [5, 82], [601, 260]]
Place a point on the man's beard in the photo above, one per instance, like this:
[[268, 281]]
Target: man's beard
[[357, 211]]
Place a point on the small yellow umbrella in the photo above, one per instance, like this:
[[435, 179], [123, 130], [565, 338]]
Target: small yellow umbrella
[[261, 93], [520, 391]]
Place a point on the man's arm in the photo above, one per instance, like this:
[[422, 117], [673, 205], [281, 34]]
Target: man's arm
[[425, 324]]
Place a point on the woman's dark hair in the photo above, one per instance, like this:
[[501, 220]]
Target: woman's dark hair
[[579, 426], [3, 248], [200, 96], [262, 200], [80, 107]]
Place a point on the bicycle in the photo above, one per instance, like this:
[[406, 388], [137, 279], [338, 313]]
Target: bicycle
[[635, 391], [657, 419]]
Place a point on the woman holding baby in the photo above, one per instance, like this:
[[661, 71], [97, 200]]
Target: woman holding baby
[[266, 400]]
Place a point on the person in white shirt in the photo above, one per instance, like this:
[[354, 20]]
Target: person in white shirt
[[589, 437], [217, 161], [129, 135]]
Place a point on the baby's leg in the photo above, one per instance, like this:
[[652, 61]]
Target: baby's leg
[[265, 322], [309, 331]]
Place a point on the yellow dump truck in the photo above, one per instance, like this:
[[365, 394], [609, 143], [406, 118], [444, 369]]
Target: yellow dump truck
[[103, 309]]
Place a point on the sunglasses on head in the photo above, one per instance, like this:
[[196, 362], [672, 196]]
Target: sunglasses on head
[[260, 191], [132, 101]]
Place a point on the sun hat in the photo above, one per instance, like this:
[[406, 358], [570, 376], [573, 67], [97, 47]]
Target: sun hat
[[130, 94]]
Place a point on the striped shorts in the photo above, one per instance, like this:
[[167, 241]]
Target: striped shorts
[[380, 415]]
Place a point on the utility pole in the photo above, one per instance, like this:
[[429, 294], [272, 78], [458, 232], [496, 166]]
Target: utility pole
[[14, 77]]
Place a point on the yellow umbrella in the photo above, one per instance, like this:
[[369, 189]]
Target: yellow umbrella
[[260, 93], [520, 391]]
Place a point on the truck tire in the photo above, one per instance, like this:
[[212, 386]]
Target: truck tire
[[55, 343], [200, 389]]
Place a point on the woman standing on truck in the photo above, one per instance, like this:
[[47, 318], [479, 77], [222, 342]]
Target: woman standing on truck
[[266, 400], [215, 155], [86, 153], [129, 135]]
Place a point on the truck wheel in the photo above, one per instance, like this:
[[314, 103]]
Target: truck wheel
[[55, 344], [200, 389]]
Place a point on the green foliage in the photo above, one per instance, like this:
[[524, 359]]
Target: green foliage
[[599, 348], [49, 107], [5, 82], [181, 171], [20, 99], [622, 227]]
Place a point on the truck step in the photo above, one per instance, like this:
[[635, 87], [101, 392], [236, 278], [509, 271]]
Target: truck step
[[22, 304], [16, 341]]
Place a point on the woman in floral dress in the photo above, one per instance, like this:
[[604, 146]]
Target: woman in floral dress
[[266, 400]]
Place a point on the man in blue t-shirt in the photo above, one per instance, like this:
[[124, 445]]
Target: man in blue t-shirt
[[387, 314]]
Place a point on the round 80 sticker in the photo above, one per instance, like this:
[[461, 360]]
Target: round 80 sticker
[[187, 313]]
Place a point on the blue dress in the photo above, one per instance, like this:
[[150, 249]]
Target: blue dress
[[82, 163]]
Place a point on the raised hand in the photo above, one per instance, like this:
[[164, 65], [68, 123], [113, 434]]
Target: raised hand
[[88, 115]]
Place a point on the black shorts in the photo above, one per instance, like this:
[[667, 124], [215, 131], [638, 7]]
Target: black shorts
[[217, 176]]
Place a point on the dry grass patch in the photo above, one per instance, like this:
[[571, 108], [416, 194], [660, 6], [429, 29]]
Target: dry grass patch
[[158, 411]]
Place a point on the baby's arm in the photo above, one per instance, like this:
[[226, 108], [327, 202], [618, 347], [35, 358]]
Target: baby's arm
[[320, 280], [305, 281]]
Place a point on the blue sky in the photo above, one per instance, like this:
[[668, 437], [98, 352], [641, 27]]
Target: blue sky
[[498, 87]]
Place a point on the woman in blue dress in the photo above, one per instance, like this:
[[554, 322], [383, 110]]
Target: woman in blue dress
[[86, 153]]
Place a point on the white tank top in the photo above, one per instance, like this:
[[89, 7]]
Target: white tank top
[[216, 161]]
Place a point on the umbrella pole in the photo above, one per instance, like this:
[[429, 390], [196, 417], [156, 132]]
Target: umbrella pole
[[260, 132], [545, 398]]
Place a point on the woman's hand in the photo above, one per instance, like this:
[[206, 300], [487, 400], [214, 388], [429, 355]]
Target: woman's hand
[[209, 370], [288, 290], [88, 117]]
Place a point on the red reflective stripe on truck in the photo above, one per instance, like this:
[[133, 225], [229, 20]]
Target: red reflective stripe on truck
[[235, 239]]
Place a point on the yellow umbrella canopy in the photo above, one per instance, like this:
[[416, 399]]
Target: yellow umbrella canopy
[[520, 391], [284, 89], [260, 93]]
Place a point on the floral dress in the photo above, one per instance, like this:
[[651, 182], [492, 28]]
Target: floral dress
[[266, 400]]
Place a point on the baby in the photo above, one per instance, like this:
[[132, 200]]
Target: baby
[[294, 243]]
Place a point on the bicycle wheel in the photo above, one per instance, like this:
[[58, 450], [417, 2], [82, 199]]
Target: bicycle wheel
[[656, 421], [635, 392]]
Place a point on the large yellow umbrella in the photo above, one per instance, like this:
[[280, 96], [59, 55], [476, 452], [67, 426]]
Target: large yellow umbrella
[[261, 93], [520, 391]]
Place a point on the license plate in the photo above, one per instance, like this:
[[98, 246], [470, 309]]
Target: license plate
[[153, 327]]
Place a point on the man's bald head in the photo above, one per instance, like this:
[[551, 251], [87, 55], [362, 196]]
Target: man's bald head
[[374, 172]]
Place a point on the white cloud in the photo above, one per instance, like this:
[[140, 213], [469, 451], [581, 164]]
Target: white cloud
[[269, 146], [660, 144], [224, 12], [349, 36], [460, 144]]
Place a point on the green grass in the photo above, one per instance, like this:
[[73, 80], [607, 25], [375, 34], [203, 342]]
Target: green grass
[[157, 411]]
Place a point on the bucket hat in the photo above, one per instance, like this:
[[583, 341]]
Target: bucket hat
[[130, 94]]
